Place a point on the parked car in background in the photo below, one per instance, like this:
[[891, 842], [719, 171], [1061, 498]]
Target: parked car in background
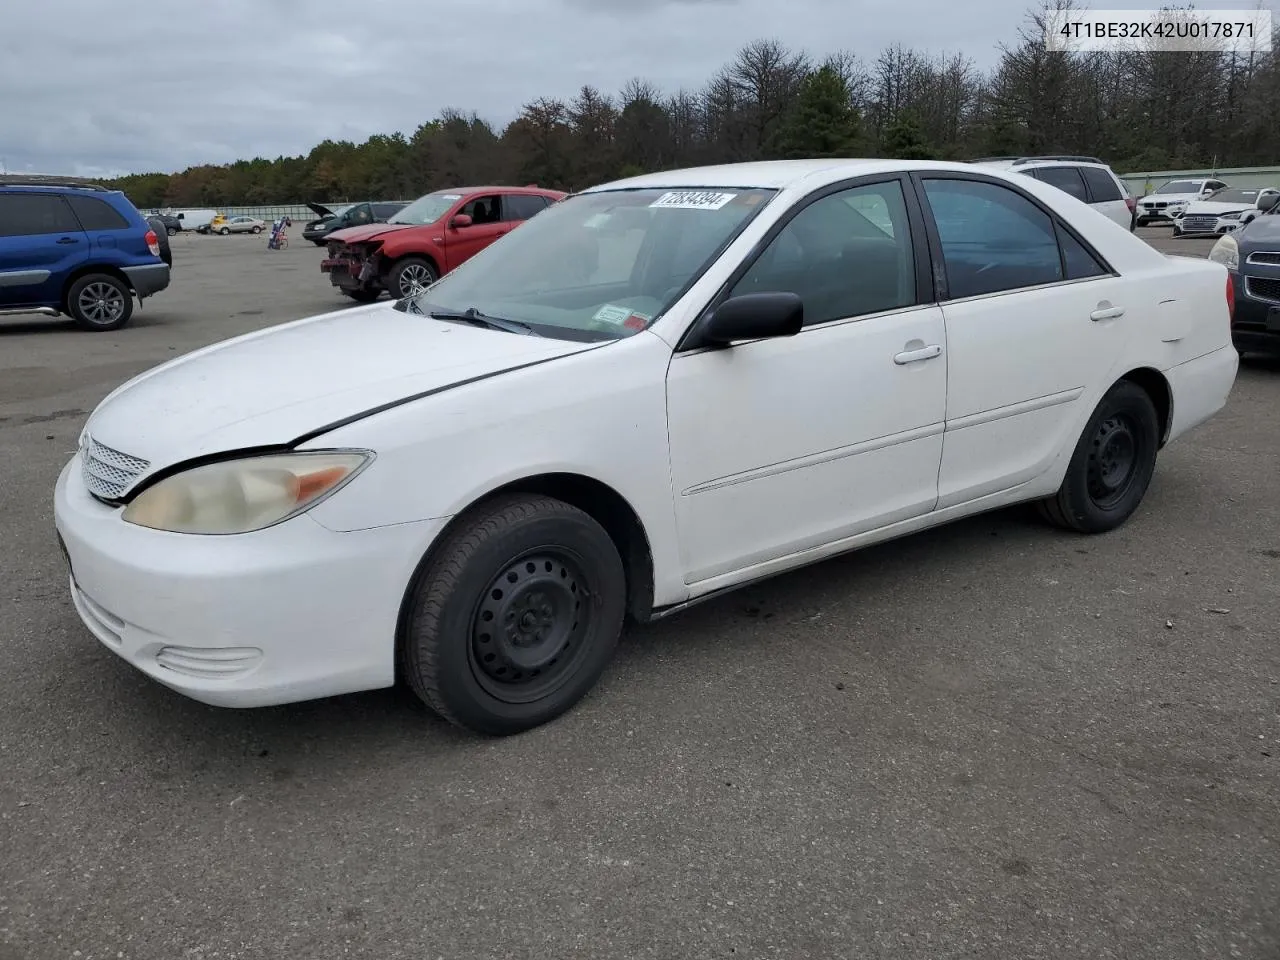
[[1222, 212], [75, 249], [213, 226], [653, 392], [1087, 179], [427, 239], [349, 215], [169, 224], [1171, 199], [194, 219], [241, 225], [1252, 255]]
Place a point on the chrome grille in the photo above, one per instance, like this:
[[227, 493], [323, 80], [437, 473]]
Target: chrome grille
[[1264, 256], [108, 472], [1195, 224]]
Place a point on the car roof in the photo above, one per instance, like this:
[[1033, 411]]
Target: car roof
[[491, 188], [775, 174]]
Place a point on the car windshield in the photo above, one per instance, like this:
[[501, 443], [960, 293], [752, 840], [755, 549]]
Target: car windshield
[[1181, 186], [1229, 195], [427, 209], [598, 266]]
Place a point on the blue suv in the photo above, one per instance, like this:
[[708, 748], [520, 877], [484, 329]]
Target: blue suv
[[76, 249]]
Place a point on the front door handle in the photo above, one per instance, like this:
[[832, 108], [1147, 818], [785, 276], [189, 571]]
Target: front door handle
[[914, 356], [1106, 311], [68, 240]]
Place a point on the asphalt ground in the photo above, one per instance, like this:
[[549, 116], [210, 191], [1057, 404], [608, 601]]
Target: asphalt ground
[[991, 740]]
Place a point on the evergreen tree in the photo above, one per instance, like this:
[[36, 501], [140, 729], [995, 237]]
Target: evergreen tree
[[823, 122]]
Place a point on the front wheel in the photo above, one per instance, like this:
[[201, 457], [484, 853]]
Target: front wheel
[[225, 231], [411, 276], [515, 616], [99, 302], [362, 295], [1112, 465]]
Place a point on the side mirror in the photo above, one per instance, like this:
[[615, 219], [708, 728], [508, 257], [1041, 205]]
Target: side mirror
[[461, 220], [1268, 201], [753, 316]]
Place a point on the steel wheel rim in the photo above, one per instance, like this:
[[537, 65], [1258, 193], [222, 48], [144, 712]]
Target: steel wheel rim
[[1113, 460], [414, 279], [528, 627], [101, 302]]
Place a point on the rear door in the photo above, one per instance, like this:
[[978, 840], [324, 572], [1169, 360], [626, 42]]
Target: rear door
[[111, 237], [1035, 321], [1106, 196], [517, 207], [40, 242]]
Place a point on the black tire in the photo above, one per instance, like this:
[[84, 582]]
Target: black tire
[[1112, 465], [320, 243], [100, 302], [564, 610], [416, 268], [225, 231], [171, 231], [257, 229], [363, 295]]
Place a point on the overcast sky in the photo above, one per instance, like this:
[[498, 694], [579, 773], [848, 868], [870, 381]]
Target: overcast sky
[[96, 89]]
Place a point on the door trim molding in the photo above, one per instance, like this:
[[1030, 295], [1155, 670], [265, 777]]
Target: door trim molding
[[1015, 409], [22, 278]]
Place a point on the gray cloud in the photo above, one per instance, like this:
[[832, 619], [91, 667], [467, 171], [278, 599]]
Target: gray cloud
[[147, 88]]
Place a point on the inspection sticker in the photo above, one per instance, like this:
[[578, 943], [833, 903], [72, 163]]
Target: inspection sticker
[[611, 313], [693, 200]]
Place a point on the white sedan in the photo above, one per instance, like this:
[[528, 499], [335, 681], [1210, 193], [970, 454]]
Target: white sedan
[[757, 366]]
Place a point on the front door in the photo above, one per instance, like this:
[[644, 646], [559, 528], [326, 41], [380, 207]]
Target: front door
[[487, 225], [40, 243], [1034, 321], [781, 446]]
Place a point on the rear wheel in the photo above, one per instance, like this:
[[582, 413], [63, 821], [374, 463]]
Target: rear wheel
[[257, 229], [411, 276], [1112, 465], [515, 616], [99, 301], [171, 231], [225, 231]]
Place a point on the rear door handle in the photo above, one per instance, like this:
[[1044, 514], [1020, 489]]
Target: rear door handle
[[1106, 313], [68, 240], [914, 356]]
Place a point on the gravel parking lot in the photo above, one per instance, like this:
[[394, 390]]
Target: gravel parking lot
[[990, 740]]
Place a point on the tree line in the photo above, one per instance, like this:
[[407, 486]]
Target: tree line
[[1137, 111]]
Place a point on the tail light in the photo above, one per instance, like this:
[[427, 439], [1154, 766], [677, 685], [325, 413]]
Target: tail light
[[153, 243], [1231, 299], [1131, 203]]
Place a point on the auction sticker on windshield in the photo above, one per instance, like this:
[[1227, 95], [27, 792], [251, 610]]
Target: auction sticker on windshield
[[692, 200]]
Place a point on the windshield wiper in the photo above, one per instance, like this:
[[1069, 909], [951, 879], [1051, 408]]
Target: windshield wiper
[[473, 316]]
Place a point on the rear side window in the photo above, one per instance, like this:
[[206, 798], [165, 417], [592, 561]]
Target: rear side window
[[1080, 263], [95, 214], [35, 214], [519, 206], [992, 237], [1066, 179], [1102, 186]]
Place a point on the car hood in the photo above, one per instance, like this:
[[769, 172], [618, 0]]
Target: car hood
[[369, 231], [1261, 230], [320, 210], [1216, 207], [1170, 197], [271, 387]]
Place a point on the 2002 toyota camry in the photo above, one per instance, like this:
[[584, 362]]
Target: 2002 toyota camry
[[653, 391]]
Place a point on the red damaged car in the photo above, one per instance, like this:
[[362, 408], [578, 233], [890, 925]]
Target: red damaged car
[[427, 239]]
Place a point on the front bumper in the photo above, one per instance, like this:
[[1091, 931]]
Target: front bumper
[[290, 613], [1256, 325], [349, 273], [148, 279]]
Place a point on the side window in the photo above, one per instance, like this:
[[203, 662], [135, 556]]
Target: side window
[[846, 255], [1102, 186], [483, 210], [1066, 179], [1080, 263], [993, 238], [361, 213], [520, 206], [94, 214], [35, 214], [385, 211]]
